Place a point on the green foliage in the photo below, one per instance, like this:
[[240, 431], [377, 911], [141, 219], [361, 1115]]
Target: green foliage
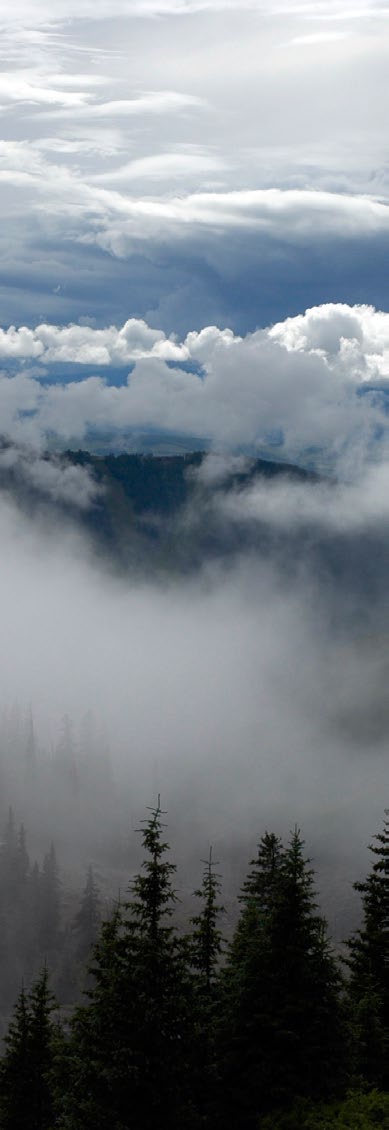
[[359, 1111]]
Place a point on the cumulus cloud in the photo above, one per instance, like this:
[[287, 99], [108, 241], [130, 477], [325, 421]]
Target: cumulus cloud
[[312, 388], [85, 345]]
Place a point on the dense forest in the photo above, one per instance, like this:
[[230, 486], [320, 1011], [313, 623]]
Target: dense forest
[[269, 1029]]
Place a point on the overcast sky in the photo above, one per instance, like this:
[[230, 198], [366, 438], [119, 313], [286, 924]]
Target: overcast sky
[[166, 165]]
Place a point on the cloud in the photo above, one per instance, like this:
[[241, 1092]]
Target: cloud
[[84, 345], [236, 687], [102, 9], [51, 477], [357, 507], [164, 166], [200, 149], [148, 102], [313, 388]]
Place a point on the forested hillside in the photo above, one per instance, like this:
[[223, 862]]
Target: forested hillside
[[270, 1030]]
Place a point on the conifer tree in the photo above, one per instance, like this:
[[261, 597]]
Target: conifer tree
[[15, 1071], [307, 986], [205, 950], [130, 1044], [281, 1032], [22, 857], [246, 1026], [369, 970], [49, 902], [27, 1067], [87, 920], [206, 940]]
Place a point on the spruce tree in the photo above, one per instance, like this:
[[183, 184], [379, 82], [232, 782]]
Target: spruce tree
[[246, 1030], [205, 950], [281, 1031], [49, 903], [27, 1069], [206, 939], [369, 970], [15, 1081], [307, 987], [87, 921], [130, 1044]]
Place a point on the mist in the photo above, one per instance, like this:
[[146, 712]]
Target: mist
[[251, 692]]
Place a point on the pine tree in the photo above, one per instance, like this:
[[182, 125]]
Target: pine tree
[[88, 918], [246, 1027], [205, 950], [15, 1071], [27, 1069], [307, 987], [49, 903], [44, 1039], [130, 1044], [206, 940], [281, 1032], [369, 970], [22, 857]]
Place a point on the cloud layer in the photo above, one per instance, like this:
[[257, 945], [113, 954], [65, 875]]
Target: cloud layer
[[239, 185], [312, 388]]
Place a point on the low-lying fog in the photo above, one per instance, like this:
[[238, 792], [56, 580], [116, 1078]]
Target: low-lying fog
[[251, 695]]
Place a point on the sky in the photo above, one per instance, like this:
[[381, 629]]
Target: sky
[[170, 165]]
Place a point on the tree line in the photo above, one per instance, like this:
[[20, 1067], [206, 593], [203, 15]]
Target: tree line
[[269, 1032], [34, 929]]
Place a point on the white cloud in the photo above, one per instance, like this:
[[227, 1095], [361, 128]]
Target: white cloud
[[164, 166], [295, 215], [343, 508], [85, 345], [52, 477], [358, 336], [293, 389], [147, 102]]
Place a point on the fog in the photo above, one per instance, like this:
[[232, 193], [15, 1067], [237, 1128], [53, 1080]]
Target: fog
[[252, 693]]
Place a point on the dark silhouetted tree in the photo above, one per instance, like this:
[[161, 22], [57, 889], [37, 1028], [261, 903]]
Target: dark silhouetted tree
[[369, 970], [27, 1070], [130, 1044], [206, 949], [281, 1031]]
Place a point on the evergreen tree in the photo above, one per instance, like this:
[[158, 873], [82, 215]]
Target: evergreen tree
[[22, 857], [369, 970], [27, 1067], [130, 1045], [15, 1071], [281, 1032], [87, 920], [205, 949], [246, 1031], [307, 986], [9, 871], [49, 903]]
